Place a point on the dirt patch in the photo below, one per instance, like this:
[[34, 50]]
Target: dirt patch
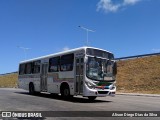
[[9, 80], [141, 75]]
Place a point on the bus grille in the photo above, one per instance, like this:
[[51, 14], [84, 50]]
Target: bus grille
[[102, 92]]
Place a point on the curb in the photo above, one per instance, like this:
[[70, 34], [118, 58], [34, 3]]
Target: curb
[[138, 94]]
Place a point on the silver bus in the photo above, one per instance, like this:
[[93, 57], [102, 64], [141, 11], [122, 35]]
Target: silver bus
[[86, 71]]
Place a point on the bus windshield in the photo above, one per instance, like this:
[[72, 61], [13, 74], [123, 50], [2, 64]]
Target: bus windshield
[[100, 69], [99, 53]]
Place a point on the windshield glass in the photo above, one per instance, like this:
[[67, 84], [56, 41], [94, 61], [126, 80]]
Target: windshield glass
[[99, 53], [99, 69]]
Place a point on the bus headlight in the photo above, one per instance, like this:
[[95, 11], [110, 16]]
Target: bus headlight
[[90, 85], [113, 86]]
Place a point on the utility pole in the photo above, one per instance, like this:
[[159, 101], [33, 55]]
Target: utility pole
[[87, 30], [25, 50]]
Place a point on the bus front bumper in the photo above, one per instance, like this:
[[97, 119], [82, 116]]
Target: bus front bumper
[[99, 92]]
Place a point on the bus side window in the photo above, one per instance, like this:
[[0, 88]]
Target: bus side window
[[36, 67], [67, 62], [22, 69], [28, 68], [54, 64]]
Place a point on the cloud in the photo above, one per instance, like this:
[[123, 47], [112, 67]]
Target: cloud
[[65, 48], [112, 6], [107, 6], [156, 50], [130, 2]]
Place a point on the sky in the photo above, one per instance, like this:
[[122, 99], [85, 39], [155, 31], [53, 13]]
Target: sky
[[123, 27]]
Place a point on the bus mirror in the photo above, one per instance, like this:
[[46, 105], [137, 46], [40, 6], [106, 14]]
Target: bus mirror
[[114, 68]]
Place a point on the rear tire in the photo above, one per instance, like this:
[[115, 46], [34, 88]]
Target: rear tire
[[31, 89], [91, 98], [65, 92]]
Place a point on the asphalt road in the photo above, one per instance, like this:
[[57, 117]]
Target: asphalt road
[[19, 100]]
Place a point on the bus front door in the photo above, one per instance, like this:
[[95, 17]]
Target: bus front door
[[79, 75], [43, 83]]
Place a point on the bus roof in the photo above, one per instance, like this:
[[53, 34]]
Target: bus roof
[[61, 53]]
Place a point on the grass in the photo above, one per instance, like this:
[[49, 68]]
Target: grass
[[9, 80], [141, 75]]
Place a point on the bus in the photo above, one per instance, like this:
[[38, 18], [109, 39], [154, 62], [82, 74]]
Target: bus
[[86, 71]]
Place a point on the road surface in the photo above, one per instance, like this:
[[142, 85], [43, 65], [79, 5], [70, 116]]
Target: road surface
[[12, 99]]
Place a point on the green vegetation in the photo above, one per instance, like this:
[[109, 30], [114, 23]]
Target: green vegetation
[[141, 75]]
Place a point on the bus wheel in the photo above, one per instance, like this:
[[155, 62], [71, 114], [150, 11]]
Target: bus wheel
[[65, 93], [91, 98], [31, 89]]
